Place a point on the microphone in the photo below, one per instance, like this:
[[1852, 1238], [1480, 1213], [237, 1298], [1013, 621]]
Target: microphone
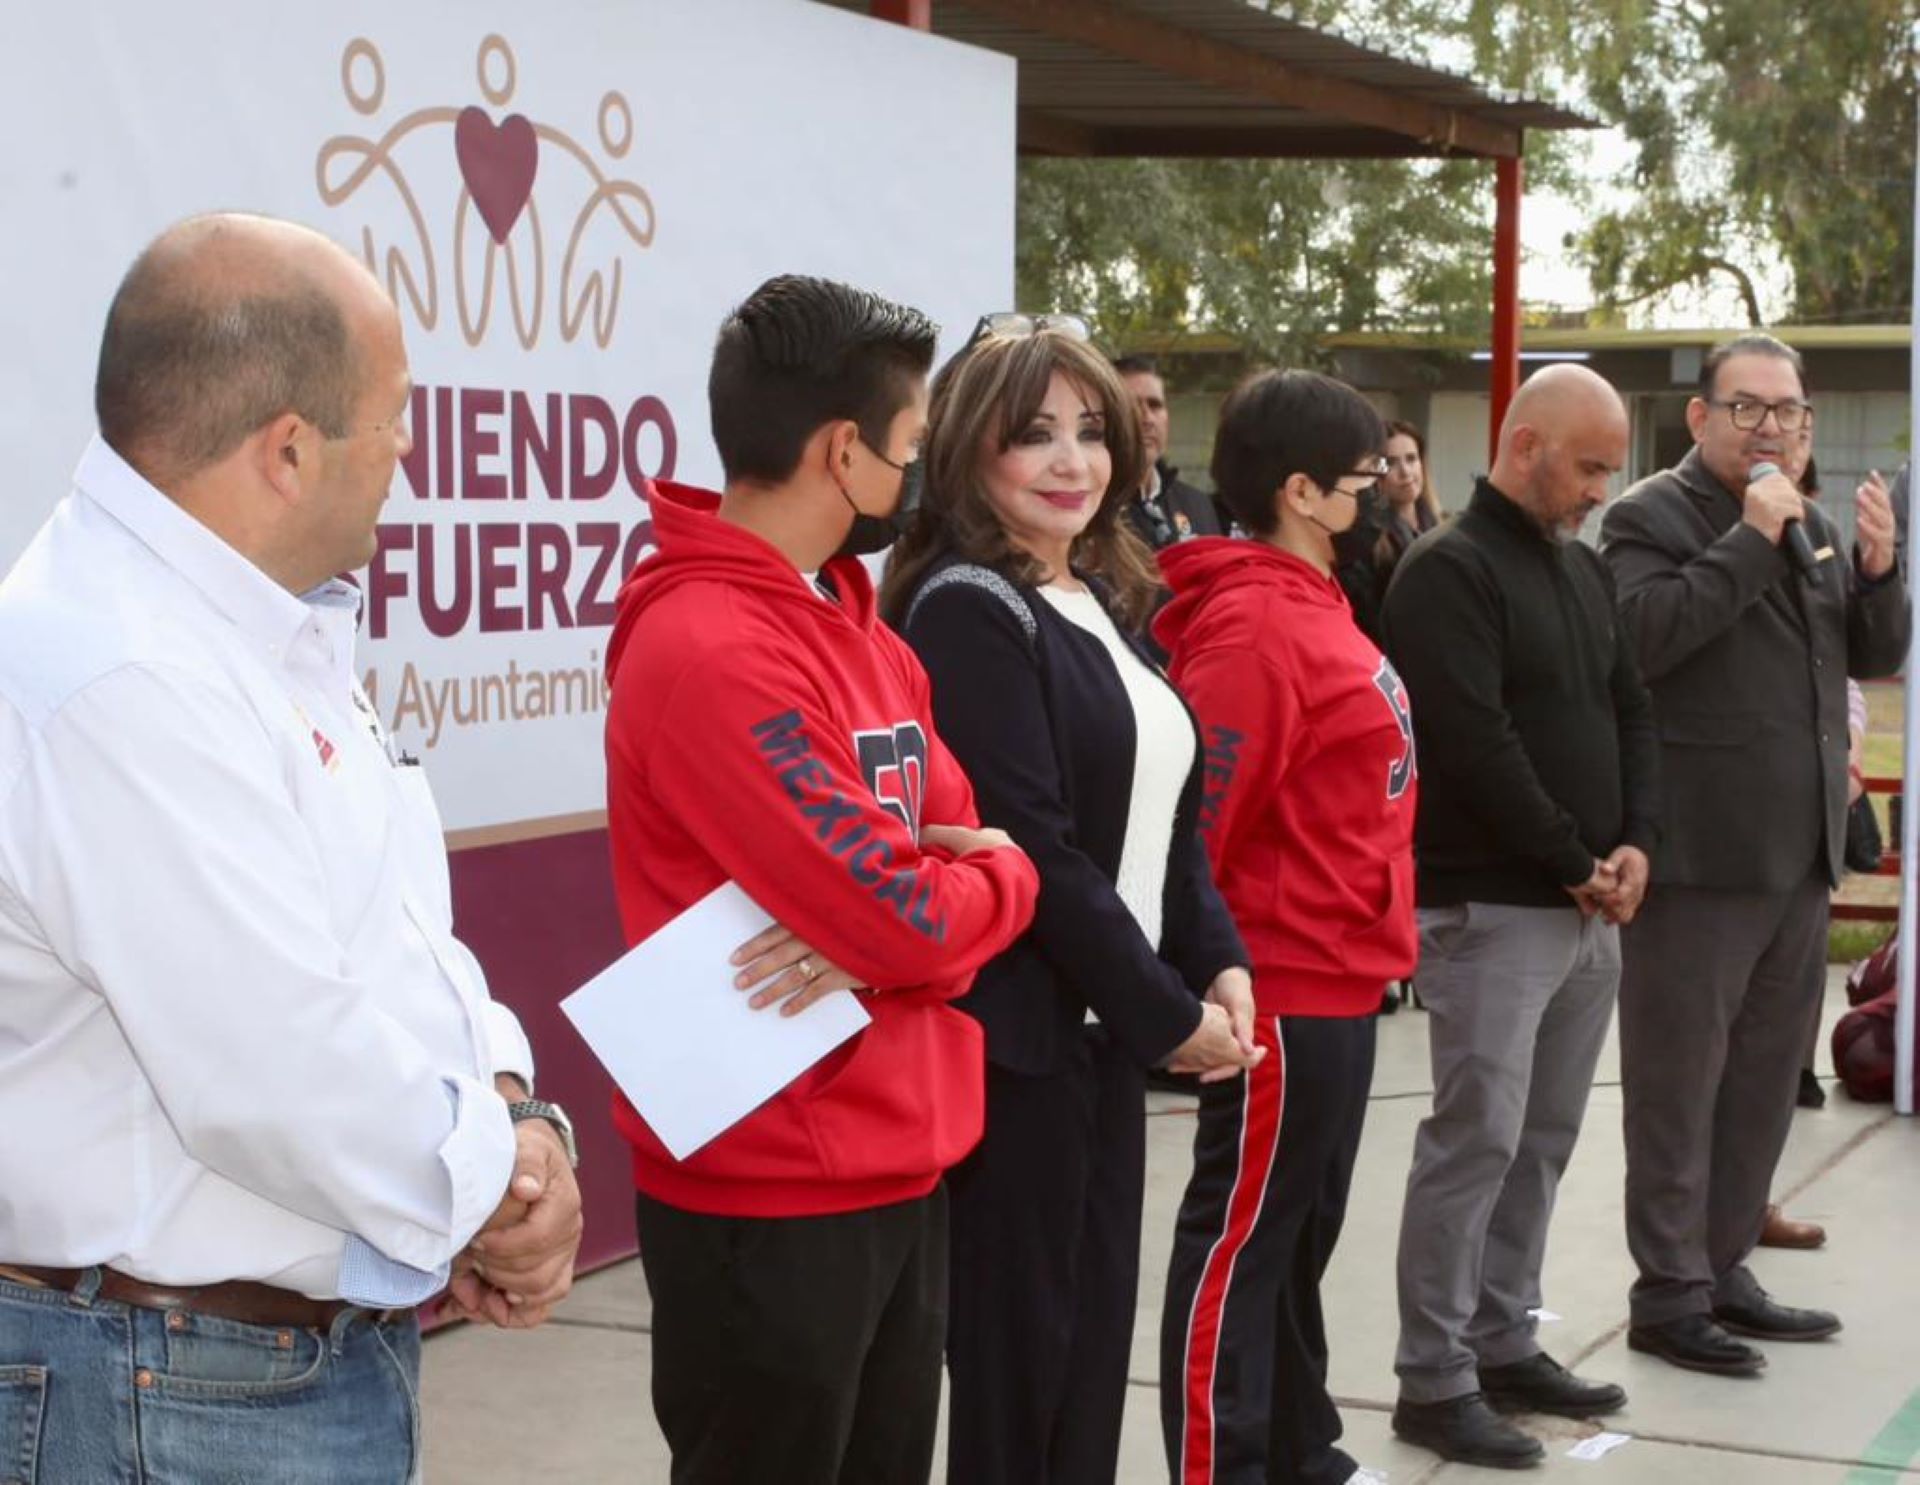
[[1793, 536]]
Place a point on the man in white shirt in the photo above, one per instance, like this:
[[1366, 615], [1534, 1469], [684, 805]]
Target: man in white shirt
[[259, 1103]]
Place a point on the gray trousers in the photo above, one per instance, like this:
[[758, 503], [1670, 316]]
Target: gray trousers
[[1518, 1001], [1714, 1003]]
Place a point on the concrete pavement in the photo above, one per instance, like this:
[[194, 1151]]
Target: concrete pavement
[[568, 1404]]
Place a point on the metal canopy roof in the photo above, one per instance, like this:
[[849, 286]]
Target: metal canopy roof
[[1227, 78]]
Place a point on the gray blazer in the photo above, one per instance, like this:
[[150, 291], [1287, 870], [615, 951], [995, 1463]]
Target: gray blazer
[[1747, 664]]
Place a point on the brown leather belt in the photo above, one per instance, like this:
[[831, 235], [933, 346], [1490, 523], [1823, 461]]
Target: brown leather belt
[[238, 1299]]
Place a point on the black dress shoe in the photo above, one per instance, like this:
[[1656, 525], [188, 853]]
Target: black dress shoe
[[1698, 1344], [1762, 1317], [1541, 1385], [1811, 1095], [1467, 1431]]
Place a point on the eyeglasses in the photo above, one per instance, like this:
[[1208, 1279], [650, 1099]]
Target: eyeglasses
[[1372, 474], [1747, 413], [1016, 326]]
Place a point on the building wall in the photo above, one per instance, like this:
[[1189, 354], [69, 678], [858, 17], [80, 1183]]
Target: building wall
[[1853, 433], [1192, 416], [1456, 444]]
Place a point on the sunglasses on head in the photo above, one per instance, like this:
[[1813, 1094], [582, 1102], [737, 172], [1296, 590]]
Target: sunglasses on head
[[1013, 325]]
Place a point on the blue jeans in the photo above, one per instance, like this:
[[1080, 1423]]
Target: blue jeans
[[98, 1393]]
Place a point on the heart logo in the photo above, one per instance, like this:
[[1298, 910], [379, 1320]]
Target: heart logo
[[497, 162]]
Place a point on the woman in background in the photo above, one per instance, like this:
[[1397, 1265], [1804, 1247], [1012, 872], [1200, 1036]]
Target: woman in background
[[1404, 510]]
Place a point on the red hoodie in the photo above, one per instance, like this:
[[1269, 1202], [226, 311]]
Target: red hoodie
[[1310, 778], [761, 733]]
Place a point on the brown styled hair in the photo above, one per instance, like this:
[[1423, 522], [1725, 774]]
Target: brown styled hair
[[982, 400]]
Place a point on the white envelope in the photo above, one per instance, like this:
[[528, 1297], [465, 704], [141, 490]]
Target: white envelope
[[689, 1053]]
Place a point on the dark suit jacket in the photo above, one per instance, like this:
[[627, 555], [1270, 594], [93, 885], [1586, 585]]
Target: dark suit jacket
[[1183, 512], [1748, 667], [1031, 705], [1178, 512]]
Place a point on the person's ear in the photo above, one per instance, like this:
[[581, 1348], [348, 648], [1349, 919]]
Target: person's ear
[[1697, 414], [286, 454], [1297, 494], [841, 438]]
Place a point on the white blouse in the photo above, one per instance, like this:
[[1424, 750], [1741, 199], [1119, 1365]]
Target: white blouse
[[1162, 759]]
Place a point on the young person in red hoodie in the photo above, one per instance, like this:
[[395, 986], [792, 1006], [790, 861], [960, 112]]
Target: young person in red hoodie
[[1308, 819], [764, 728]]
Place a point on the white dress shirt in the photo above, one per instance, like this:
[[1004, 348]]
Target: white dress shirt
[[238, 1039]]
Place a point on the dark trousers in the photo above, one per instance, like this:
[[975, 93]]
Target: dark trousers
[[1243, 1343], [1046, 1261], [798, 1350], [1714, 1002]]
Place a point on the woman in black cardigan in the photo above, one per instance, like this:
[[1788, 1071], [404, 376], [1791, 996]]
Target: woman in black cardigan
[[1018, 588]]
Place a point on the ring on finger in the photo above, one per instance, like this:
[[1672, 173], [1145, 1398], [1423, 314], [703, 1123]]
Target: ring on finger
[[806, 969]]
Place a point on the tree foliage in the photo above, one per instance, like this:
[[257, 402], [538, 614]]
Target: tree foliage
[[1274, 254], [1775, 131], [1772, 129]]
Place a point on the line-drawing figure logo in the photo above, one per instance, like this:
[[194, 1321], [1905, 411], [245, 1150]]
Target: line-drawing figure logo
[[498, 165]]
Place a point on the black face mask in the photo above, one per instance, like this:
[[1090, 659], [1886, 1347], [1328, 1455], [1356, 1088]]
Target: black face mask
[[869, 534], [1357, 542]]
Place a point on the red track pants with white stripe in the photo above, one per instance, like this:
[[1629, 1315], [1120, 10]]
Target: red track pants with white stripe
[[1243, 1345]]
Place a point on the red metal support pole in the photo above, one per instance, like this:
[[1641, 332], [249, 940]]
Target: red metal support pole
[[1504, 374], [917, 14]]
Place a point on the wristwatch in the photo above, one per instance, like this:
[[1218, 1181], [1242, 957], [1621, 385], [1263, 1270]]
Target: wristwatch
[[539, 1108]]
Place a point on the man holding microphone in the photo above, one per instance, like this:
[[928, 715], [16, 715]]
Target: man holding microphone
[[1747, 621]]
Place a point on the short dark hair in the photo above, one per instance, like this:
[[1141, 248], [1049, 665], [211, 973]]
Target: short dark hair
[[1139, 364], [1754, 343], [805, 351], [188, 368], [1277, 424]]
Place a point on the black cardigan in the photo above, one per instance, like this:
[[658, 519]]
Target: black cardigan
[[1033, 708]]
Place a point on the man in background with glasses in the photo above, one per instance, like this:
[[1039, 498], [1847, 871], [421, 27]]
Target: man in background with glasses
[[1746, 645]]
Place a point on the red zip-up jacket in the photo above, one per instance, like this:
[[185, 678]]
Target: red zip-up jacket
[[1310, 774], [761, 733]]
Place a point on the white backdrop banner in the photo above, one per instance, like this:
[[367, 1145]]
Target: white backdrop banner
[[565, 201]]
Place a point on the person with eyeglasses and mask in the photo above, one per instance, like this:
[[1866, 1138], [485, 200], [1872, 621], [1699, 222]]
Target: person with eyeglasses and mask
[[1746, 644], [1021, 589], [1539, 810], [767, 729], [1308, 820]]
